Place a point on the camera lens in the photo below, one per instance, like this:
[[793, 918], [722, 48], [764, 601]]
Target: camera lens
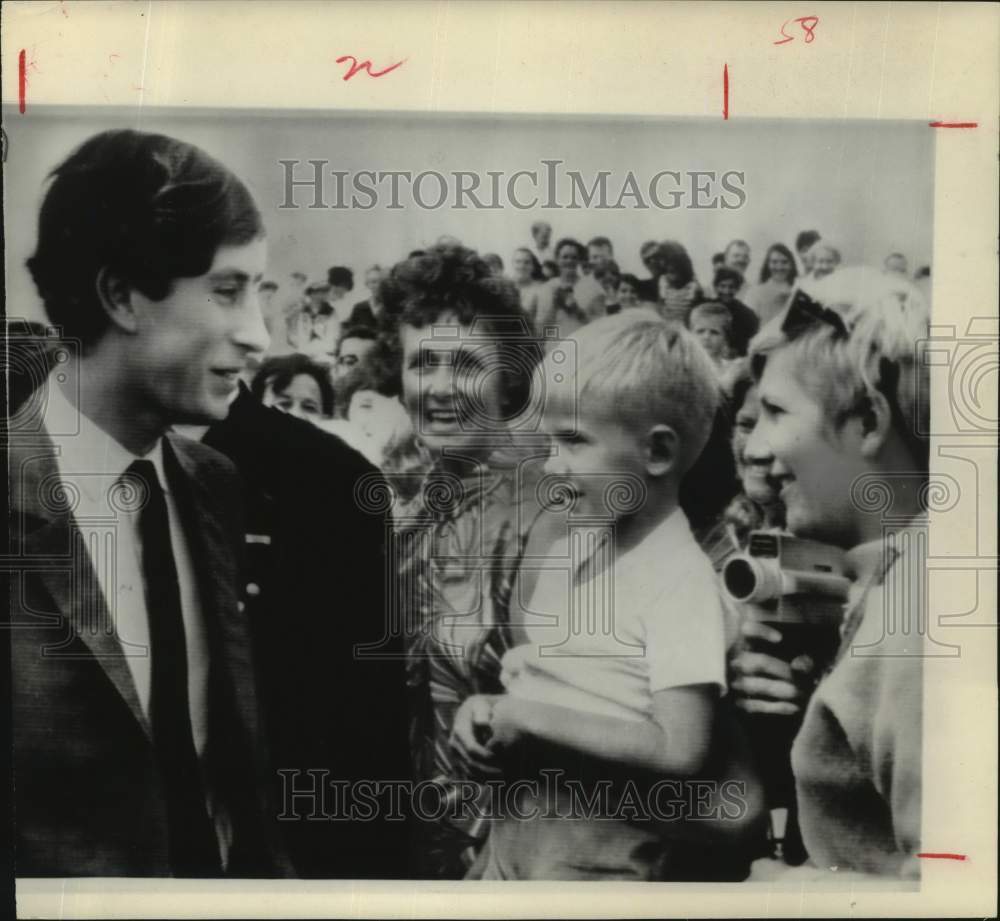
[[740, 579]]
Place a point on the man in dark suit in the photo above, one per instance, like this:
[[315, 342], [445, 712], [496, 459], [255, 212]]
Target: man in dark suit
[[332, 673], [137, 745]]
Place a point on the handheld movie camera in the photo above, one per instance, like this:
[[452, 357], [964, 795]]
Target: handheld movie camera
[[797, 586]]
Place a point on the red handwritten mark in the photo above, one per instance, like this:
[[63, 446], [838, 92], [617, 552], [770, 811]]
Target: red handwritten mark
[[808, 24], [725, 91], [22, 80], [954, 124], [113, 57], [944, 856], [365, 65]]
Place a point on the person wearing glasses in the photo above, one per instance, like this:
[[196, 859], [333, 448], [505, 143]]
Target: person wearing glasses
[[840, 387]]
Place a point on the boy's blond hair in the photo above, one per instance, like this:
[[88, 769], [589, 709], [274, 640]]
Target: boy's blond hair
[[712, 309], [887, 322], [636, 368]]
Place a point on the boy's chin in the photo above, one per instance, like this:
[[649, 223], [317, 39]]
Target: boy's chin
[[811, 527]]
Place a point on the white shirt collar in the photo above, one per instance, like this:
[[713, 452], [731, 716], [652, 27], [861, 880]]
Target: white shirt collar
[[90, 450]]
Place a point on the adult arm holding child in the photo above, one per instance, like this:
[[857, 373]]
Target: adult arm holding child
[[674, 741]]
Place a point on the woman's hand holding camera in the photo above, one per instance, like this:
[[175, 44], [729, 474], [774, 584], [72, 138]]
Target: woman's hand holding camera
[[763, 683]]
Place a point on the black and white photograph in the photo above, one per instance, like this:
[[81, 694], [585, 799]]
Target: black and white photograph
[[478, 497]]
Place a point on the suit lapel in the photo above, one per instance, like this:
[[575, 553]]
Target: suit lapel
[[234, 765], [55, 550], [212, 547], [206, 536]]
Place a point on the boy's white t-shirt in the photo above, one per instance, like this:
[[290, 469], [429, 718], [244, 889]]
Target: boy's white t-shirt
[[651, 621]]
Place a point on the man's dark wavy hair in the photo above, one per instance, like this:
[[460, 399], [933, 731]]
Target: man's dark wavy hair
[[148, 207], [449, 278]]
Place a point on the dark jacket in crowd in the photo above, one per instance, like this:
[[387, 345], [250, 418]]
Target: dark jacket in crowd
[[315, 590]]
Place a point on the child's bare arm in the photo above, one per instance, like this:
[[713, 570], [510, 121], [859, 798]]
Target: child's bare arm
[[675, 741]]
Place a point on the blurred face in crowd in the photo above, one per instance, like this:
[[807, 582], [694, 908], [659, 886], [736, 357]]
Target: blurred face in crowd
[[569, 261], [805, 254], [754, 470], [522, 266], [815, 462], [897, 263], [364, 408], [588, 452], [189, 349], [541, 234], [824, 262], [379, 418], [609, 282], [495, 264], [351, 353], [725, 291], [627, 295], [779, 265], [652, 259], [598, 255], [452, 387], [711, 333], [373, 278], [317, 296], [671, 277], [738, 257], [301, 398]]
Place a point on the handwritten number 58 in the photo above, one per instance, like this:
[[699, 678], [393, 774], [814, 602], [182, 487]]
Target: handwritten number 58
[[808, 24]]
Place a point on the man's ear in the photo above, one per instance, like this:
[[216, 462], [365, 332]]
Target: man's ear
[[876, 423], [115, 294], [662, 450]]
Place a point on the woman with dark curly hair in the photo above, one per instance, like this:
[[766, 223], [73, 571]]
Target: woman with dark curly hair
[[296, 385], [679, 290], [468, 355]]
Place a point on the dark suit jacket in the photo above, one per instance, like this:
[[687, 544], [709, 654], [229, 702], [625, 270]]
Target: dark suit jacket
[[317, 589], [363, 315], [88, 796]]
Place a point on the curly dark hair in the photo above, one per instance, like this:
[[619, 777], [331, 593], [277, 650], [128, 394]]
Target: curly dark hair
[[725, 273], [148, 207], [280, 371], [581, 250], [341, 277], [451, 279], [675, 257]]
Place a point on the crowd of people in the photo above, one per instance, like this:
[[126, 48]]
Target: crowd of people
[[487, 556], [352, 347]]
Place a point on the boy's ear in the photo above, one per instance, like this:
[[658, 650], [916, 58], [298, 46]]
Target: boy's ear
[[876, 423], [662, 450], [115, 294]]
